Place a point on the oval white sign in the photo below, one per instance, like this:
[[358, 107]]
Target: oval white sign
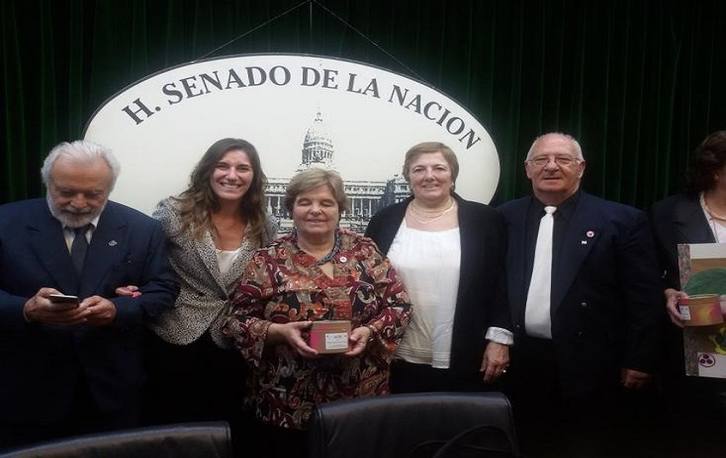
[[299, 111]]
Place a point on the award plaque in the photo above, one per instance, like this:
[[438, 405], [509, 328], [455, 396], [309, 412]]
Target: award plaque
[[329, 337]]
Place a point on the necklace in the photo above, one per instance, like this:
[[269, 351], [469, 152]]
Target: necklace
[[331, 254], [417, 214]]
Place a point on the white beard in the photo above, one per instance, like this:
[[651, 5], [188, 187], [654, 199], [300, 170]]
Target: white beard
[[69, 218]]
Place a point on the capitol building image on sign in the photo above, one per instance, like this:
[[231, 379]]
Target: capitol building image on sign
[[366, 196]]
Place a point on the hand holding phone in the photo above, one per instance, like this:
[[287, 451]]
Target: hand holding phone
[[49, 306], [63, 301]]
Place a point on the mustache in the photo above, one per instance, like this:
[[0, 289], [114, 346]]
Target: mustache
[[72, 217], [76, 211]]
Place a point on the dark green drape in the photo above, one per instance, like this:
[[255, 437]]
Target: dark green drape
[[640, 83]]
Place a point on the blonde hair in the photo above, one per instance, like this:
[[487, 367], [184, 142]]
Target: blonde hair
[[430, 148]]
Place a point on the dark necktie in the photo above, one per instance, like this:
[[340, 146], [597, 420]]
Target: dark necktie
[[79, 247]]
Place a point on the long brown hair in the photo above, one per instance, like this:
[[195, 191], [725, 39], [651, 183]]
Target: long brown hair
[[198, 202]]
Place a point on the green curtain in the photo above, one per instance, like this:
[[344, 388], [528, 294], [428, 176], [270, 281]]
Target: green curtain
[[639, 83]]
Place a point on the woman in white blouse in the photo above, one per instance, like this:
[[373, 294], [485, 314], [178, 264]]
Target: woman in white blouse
[[213, 227], [450, 254]]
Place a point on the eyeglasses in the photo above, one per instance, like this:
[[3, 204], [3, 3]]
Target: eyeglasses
[[562, 161]]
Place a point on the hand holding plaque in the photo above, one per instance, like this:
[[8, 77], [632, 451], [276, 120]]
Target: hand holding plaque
[[330, 336]]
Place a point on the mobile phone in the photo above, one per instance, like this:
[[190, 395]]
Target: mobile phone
[[63, 301]]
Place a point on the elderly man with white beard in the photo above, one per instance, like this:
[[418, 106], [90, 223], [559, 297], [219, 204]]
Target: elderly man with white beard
[[70, 345]]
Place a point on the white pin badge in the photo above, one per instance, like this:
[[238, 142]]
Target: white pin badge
[[343, 259], [590, 234], [112, 243]]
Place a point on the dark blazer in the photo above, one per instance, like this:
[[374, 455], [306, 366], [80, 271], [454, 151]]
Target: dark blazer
[[481, 300], [677, 219], [607, 299], [42, 365]]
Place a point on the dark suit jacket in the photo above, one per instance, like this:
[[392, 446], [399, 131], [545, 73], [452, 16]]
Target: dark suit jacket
[[42, 365], [607, 299], [678, 219], [481, 300]]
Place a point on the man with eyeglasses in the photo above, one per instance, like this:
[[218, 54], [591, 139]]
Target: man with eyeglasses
[[586, 307]]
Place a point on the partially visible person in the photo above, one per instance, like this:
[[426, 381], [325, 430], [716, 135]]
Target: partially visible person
[[697, 216], [318, 272], [587, 308], [67, 371], [450, 254], [213, 227]]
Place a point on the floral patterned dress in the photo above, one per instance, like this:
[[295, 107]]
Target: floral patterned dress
[[281, 284]]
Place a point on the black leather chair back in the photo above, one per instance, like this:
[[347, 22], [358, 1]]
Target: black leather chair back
[[393, 426], [186, 440]]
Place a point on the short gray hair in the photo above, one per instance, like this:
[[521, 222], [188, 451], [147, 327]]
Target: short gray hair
[[80, 150], [575, 145], [313, 178]]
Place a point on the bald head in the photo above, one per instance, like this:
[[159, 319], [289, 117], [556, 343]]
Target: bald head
[[555, 166]]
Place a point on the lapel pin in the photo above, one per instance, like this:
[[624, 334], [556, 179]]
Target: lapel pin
[[590, 234], [583, 242], [343, 259], [112, 243]]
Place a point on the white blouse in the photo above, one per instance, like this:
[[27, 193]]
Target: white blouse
[[717, 227], [428, 263], [719, 231], [225, 259]]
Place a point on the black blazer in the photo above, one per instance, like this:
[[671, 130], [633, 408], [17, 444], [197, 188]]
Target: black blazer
[[481, 300], [41, 364], [607, 299], [677, 219]]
